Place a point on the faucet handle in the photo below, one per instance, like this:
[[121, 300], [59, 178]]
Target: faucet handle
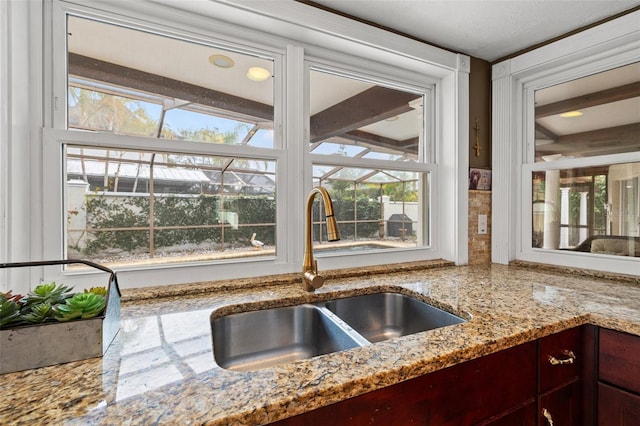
[[311, 278]]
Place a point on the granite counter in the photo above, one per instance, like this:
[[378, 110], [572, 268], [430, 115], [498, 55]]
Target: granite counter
[[160, 368]]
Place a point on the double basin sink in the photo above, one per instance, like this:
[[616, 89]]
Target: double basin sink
[[259, 339]]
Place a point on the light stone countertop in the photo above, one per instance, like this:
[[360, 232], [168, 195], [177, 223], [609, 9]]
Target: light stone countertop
[[160, 367]]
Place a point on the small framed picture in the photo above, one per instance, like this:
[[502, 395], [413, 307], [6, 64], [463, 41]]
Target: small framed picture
[[480, 179]]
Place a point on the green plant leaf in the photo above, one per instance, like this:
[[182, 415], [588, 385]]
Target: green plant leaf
[[9, 311], [102, 291], [81, 305], [51, 294], [39, 313]]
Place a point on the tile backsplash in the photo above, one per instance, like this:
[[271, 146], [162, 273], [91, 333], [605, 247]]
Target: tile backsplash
[[479, 244]]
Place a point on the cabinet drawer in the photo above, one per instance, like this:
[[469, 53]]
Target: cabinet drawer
[[561, 407], [619, 360], [560, 358]]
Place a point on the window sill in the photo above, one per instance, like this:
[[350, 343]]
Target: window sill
[[182, 290], [623, 279]]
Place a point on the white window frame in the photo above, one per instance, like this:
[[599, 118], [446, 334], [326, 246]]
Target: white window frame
[[607, 46], [288, 28], [350, 68], [53, 140]]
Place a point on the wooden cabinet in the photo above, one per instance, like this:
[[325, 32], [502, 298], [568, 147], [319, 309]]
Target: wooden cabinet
[[561, 406], [528, 385], [617, 407], [465, 394], [618, 379], [560, 358], [619, 361]]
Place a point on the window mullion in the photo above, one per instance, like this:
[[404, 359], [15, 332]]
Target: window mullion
[[297, 178]]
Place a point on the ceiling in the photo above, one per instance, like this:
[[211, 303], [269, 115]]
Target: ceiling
[[486, 29]]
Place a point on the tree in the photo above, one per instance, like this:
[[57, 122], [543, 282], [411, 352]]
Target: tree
[[207, 135], [90, 109], [401, 191]]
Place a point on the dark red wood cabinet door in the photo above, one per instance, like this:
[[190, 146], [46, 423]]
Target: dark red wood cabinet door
[[465, 394], [561, 407], [617, 407], [619, 361]]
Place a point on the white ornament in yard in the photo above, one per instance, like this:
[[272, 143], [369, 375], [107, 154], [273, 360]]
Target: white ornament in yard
[[255, 243]]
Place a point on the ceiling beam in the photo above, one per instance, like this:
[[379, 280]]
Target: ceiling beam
[[627, 134], [94, 69], [546, 132], [614, 94], [610, 140], [410, 143], [406, 146], [370, 106]]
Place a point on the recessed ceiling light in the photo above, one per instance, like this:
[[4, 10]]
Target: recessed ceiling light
[[258, 74], [394, 118], [571, 114], [221, 61]]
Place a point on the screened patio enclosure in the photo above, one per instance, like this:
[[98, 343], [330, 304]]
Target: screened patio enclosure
[[126, 205], [123, 204], [369, 203]]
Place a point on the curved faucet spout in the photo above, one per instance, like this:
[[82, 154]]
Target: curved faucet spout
[[310, 278]]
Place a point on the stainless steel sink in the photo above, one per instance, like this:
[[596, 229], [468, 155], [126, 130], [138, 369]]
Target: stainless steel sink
[[259, 339], [383, 316]]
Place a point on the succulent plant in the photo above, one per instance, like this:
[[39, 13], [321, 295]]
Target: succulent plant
[[10, 296], [39, 313], [49, 302], [9, 311], [51, 294], [81, 305], [102, 291]]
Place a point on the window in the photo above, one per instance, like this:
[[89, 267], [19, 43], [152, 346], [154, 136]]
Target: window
[[594, 208], [140, 207], [380, 185], [166, 87], [165, 200], [176, 145], [573, 176], [588, 208], [125, 202]]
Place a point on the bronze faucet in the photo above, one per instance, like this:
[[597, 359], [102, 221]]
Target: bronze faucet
[[310, 278]]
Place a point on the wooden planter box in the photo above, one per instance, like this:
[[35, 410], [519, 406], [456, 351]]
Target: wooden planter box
[[32, 346]]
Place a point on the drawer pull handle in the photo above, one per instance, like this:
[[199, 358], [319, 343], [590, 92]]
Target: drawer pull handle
[[571, 358], [547, 415]]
